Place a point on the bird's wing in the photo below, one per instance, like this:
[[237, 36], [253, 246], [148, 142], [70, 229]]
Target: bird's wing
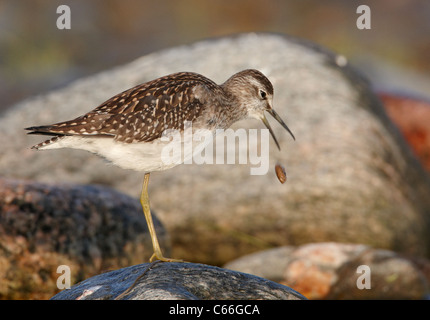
[[141, 113]]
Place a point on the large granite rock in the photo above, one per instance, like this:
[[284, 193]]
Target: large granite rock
[[351, 176], [87, 228], [178, 281]]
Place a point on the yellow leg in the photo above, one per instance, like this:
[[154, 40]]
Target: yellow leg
[[144, 200]]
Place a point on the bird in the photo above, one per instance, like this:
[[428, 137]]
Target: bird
[[128, 129]]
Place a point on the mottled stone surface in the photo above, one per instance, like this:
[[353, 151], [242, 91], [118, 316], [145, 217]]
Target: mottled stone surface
[[182, 281], [85, 227]]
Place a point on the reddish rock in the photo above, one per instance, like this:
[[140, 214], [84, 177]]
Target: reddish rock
[[313, 268], [341, 271], [412, 116]]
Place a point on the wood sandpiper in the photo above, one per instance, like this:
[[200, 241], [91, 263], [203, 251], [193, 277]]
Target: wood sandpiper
[[128, 128]]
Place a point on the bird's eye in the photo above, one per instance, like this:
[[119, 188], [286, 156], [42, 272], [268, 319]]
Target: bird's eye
[[263, 94]]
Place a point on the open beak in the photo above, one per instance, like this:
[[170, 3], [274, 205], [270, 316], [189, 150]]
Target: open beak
[[278, 118]]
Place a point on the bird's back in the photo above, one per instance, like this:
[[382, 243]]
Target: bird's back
[[142, 113]]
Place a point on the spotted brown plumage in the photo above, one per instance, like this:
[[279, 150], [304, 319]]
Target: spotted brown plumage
[[142, 113]]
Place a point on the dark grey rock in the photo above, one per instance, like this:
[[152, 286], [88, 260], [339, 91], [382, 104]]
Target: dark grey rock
[[85, 227], [182, 281]]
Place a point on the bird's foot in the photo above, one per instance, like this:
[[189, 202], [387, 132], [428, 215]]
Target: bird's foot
[[159, 256]]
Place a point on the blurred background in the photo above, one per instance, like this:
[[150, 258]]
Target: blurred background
[[36, 57]]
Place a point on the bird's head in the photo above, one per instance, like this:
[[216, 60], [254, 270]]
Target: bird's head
[[254, 93]]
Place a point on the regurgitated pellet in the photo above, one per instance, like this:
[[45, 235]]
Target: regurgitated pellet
[[280, 173]]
